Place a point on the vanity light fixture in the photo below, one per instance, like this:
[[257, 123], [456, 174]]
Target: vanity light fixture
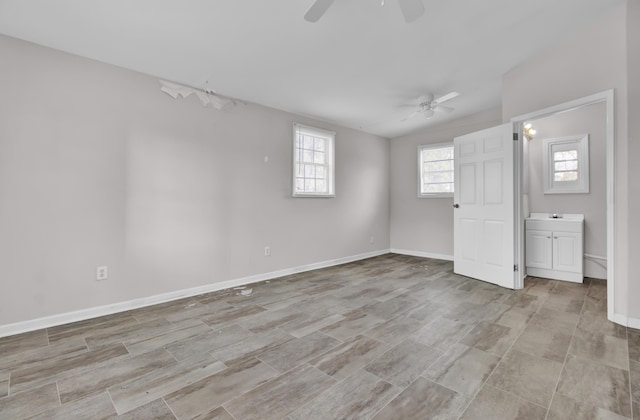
[[528, 131]]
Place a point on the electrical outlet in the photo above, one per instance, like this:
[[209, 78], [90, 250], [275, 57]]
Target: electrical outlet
[[267, 251], [101, 273]]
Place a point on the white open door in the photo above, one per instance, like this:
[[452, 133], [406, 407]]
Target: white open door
[[484, 206]]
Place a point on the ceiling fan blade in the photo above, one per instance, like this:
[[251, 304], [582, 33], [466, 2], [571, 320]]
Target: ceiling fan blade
[[429, 113], [444, 108], [410, 115], [411, 9], [317, 9], [447, 97]]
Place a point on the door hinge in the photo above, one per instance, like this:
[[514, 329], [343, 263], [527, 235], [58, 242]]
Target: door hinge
[[515, 136], [515, 267]]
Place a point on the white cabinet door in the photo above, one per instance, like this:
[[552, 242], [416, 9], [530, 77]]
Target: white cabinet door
[[567, 251], [539, 249]]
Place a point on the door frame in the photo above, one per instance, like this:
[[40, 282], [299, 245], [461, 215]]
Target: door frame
[[608, 97]]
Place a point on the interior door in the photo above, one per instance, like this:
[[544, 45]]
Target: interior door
[[484, 234]]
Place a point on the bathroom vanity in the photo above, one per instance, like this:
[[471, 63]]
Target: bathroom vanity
[[555, 246]]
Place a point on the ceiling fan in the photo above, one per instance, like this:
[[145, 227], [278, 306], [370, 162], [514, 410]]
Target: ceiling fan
[[411, 9], [428, 105]]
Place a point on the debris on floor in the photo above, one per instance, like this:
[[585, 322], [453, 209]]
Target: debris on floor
[[246, 292]]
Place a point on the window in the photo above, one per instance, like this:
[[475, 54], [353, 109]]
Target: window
[[435, 170], [566, 165], [313, 168]]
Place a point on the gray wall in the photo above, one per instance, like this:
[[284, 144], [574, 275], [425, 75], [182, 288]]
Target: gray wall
[[99, 167], [586, 120], [424, 226], [593, 60], [633, 80]]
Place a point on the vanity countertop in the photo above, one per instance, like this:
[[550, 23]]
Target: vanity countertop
[[564, 217]]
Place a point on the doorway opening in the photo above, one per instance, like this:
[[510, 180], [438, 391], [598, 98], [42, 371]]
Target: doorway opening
[[523, 206]]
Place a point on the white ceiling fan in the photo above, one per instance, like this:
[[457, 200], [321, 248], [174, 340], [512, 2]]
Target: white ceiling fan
[[411, 9], [428, 105]]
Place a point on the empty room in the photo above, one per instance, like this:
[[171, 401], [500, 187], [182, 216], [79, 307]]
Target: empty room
[[319, 209]]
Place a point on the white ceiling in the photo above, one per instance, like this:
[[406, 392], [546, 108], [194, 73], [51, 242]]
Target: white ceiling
[[356, 67]]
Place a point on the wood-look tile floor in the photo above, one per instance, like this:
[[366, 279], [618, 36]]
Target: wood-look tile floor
[[391, 337]]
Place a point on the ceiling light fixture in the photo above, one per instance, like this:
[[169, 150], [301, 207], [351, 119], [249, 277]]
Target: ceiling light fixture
[[411, 9], [206, 95], [528, 131]]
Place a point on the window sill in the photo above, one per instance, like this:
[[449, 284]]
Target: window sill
[[313, 195], [567, 191], [436, 195]]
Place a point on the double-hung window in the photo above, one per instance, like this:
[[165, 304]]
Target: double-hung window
[[435, 170], [313, 162]]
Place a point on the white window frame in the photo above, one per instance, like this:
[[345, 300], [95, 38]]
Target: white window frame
[[577, 142], [330, 136], [420, 183]]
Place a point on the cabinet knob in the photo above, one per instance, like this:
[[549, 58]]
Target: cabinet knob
[[455, 206], [548, 237]]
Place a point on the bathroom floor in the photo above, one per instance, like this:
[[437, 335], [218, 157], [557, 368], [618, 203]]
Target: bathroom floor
[[391, 337]]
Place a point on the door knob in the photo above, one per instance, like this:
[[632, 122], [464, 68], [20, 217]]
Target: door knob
[[455, 206]]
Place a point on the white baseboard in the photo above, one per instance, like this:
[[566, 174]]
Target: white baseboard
[[422, 254], [633, 323], [626, 321], [83, 314], [595, 268]]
